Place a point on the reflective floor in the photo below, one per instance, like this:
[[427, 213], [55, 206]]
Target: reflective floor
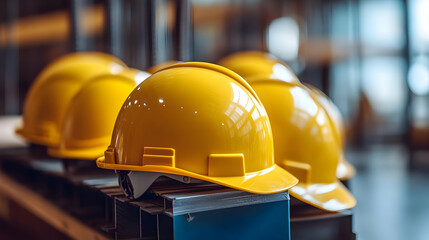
[[393, 202]]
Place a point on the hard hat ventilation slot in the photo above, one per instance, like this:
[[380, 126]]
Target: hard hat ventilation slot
[[226, 165], [300, 170], [109, 155], [159, 156]]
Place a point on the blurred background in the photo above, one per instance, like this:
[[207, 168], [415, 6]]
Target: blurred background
[[371, 57]]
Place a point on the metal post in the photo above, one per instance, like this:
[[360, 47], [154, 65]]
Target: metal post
[[183, 31], [160, 37], [79, 40], [360, 121], [407, 125], [138, 17], [11, 82], [115, 23], [151, 27], [3, 43]]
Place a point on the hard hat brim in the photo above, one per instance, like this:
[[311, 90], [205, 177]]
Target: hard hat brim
[[36, 139], [332, 197], [271, 180], [83, 154], [345, 170]]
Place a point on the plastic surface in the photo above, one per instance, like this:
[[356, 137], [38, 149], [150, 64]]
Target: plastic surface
[[161, 66], [49, 96], [134, 74], [198, 120], [345, 170], [305, 143], [89, 121], [255, 64]]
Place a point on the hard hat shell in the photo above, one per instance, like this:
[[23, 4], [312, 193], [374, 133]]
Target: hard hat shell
[[304, 143], [90, 118], [345, 170], [198, 120], [161, 66], [250, 64], [255, 65], [76, 61], [134, 74], [52, 91]]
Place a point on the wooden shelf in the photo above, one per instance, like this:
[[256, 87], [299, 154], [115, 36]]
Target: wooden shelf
[[46, 211]]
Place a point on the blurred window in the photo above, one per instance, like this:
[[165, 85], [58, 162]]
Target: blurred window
[[384, 85], [383, 36], [283, 38], [419, 30], [418, 76], [382, 24]]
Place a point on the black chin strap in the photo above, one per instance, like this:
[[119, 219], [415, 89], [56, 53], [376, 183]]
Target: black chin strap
[[125, 183]]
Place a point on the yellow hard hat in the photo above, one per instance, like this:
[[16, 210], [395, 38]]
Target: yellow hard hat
[[52, 91], [250, 64], [345, 170], [197, 120], [90, 118], [76, 61], [304, 143], [136, 75], [160, 66]]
